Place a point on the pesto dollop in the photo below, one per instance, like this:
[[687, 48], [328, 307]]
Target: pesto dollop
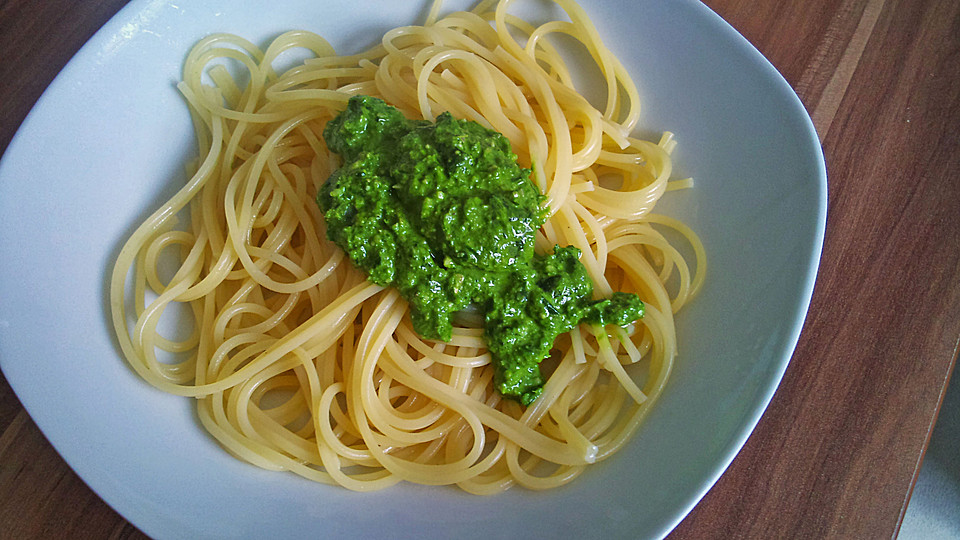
[[442, 212]]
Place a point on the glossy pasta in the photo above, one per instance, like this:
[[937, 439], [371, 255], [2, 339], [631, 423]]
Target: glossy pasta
[[299, 363]]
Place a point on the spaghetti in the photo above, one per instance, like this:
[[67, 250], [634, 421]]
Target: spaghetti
[[299, 363]]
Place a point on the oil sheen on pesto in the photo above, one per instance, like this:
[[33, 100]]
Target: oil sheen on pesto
[[442, 212]]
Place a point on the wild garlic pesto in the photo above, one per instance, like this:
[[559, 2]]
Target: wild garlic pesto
[[443, 212]]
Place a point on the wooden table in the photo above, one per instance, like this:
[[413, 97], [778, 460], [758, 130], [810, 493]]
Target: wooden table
[[839, 448]]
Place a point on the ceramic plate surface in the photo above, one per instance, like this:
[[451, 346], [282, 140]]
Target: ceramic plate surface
[[107, 143]]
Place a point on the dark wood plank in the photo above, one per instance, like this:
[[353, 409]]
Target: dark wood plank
[[9, 404], [795, 35]]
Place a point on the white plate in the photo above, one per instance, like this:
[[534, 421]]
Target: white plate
[[107, 142]]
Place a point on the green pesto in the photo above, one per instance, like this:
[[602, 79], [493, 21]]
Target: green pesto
[[443, 212]]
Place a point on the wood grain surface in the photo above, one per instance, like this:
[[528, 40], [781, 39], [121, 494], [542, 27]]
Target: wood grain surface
[[838, 450]]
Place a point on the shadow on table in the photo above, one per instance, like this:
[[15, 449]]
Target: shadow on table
[[934, 509]]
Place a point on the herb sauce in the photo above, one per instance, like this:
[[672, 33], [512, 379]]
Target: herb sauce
[[442, 212]]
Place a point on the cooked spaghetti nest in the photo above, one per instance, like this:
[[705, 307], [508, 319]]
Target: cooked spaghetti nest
[[298, 363]]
